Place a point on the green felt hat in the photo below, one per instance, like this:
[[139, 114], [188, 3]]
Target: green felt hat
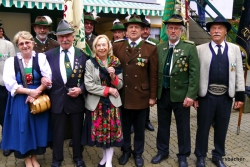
[[175, 18], [42, 20], [117, 25], [134, 19], [89, 16], [64, 28]]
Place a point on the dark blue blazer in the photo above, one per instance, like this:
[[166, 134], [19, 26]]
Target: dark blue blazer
[[58, 93]]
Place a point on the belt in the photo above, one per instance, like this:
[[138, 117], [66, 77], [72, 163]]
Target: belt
[[217, 89]]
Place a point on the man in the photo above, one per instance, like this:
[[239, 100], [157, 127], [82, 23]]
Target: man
[[6, 50], [177, 89], [139, 63], [221, 80], [145, 35], [89, 22], [118, 30], [41, 28], [67, 93]]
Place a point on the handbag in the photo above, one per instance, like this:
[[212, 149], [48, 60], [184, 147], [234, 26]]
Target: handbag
[[42, 103]]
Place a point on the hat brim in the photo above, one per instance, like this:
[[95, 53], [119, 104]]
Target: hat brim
[[64, 32], [227, 24], [172, 22], [124, 29], [92, 20], [140, 23]]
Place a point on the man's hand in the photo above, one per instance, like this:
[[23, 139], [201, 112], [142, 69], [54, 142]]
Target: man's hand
[[152, 102], [238, 104], [196, 104], [188, 102], [114, 92], [46, 81], [74, 92]]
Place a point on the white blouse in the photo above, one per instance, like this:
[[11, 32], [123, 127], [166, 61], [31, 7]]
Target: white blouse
[[9, 76]]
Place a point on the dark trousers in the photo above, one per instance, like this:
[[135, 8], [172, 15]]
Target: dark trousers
[[59, 125], [3, 102], [182, 116], [138, 118], [212, 108], [148, 114]]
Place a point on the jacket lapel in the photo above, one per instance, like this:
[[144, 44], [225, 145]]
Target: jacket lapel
[[56, 60], [135, 51]]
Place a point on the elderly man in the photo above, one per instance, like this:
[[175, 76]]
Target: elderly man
[[221, 80], [89, 23], [67, 93], [41, 28], [178, 84], [118, 30], [139, 62], [6, 50]]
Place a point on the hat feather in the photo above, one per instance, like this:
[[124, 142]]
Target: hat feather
[[95, 15], [48, 19], [147, 18], [116, 21], [128, 17]]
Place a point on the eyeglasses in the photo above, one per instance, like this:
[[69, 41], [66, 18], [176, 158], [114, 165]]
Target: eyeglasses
[[174, 28], [24, 43]]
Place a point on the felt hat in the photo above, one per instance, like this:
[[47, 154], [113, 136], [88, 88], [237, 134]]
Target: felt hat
[[42, 20], [64, 28], [219, 20], [90, 16], [176, 19], [147, 22], [117, 25], [134, 19]]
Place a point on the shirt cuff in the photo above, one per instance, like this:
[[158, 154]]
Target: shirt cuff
[[106, 91], [116, 81]]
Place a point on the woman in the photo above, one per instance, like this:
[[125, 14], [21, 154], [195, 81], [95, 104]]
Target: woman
[[3, 35], [103, 79], [24, 132]]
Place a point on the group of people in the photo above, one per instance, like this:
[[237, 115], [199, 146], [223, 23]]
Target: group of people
[[106, 94]]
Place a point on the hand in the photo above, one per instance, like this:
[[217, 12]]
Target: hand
[[29, 99], [46, 81], [188, 102], [196, 104], [114, 92], [35, 93], [238, 104], [152, 102], [74, 92], [111, 71]]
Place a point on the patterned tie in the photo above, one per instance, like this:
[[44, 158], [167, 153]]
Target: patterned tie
[[67, 64], [133, 44], [87, 37], [219, 50], [166, 78]]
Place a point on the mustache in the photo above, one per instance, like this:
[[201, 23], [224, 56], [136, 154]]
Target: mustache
[[65, 42], [216, 34]]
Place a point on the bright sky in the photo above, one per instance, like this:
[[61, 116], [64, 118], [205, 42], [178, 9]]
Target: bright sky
[[162, 2]]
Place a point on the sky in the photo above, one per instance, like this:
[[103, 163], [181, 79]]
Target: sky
[[162, 2]]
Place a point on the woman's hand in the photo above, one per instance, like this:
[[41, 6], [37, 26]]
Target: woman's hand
[[46, 82], [114, 92], [34, 93], [111, 71], [29, 99]]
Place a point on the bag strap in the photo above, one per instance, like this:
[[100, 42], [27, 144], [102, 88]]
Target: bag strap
[[22, 73]]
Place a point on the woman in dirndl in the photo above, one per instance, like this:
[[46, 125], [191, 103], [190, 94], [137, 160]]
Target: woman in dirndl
[[25, 133], [103, 79]]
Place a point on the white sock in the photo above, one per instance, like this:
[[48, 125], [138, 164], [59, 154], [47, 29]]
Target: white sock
[[109, 156], [103, 161]]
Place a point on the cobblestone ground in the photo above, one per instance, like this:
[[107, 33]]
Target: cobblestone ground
[[237, 147]]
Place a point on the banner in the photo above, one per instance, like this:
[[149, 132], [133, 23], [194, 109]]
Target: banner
[[243, 34], [168, 11], [73, 13]]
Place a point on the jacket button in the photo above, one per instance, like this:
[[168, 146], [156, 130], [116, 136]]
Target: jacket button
[[135, 75], [126, 86], [127, 64], [175, 80], [175, 88], [135, 87], [175, 73], [126, 75]]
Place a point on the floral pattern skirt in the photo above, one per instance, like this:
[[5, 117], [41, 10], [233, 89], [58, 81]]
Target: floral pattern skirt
[[103, 128]]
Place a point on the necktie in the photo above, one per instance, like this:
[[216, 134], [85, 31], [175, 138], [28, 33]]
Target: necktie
[[87, 37], [219, 53], [67, 64], [132, 44], [166, 78]]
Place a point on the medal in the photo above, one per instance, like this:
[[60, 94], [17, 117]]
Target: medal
[[139, 63], [142, 64], [67, 65], [80, 75], [186, 65], [181, 70], [74, 70], [179, 65], [73, 75], [139, 55], [185, 69]]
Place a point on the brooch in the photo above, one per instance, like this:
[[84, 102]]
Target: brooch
[[233, 65]]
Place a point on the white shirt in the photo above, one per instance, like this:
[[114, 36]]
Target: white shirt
[[9, 76], [137, 42], [43, 42], [215, 47], [70, 53], [171, 65]]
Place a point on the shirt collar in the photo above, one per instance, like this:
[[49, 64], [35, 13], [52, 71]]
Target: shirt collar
[[214, 45], [174, 43], [137, 41], [19, 55], [43, 42], [70, 50]]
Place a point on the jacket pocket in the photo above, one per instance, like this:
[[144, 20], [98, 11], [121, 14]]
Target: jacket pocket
[[144, 86]]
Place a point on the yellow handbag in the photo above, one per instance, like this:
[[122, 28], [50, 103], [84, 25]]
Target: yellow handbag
[[41, 104]]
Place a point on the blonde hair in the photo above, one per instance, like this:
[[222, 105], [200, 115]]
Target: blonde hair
[[110, 50], [24, 34]]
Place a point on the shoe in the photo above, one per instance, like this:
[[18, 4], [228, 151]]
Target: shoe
[[149, 127], [80, 164], [218, 162], [132, 129], [99, 165], [7, 152], [56, 164], [138, 161], [124, 158], [183, 163], [158, 158], [71, 143], [200, 162]]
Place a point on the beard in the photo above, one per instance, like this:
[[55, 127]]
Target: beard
[[42, 36]]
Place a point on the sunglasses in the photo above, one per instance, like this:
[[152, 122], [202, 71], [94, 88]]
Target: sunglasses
[[24, 43]]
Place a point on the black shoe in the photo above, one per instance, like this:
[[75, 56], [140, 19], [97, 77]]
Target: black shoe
[[7, 152], [124, 158], [80, 164], [71, 143], [149, 127], [218, 162], [56, 164], [200, 162], [99, 165], [132, 129], [158, 158], [183, 163], [138, 161]]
